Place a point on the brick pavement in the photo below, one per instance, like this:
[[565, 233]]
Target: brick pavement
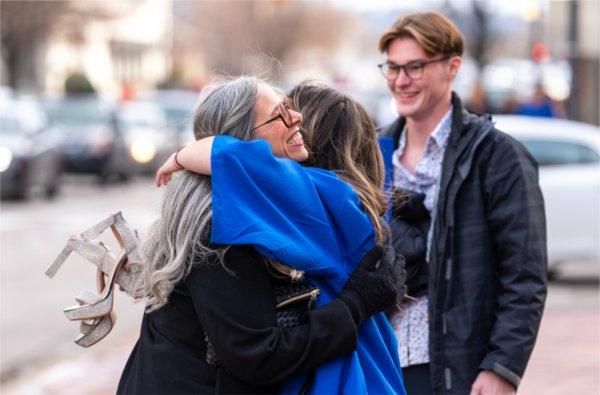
[[566, 361]]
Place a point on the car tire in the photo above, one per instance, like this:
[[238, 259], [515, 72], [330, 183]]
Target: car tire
[[104, 175], [553, 274], [20, 190], [51, 191], [124, 177]]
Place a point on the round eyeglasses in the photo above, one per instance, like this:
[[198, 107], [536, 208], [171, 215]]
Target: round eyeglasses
[[283, 112]]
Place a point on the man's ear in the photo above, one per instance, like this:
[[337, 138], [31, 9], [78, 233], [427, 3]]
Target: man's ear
[[455, 63]]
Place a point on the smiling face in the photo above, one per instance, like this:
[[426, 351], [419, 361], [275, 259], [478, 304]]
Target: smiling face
[[286, 142], [417, 99]]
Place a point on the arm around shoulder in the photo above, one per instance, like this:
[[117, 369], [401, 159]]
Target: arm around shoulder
[[237, 311], [196, 156]]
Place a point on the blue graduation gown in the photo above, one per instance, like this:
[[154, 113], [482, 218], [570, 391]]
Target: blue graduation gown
[[311, 220]]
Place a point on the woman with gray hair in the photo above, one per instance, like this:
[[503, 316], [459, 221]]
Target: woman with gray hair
[[211, 322]]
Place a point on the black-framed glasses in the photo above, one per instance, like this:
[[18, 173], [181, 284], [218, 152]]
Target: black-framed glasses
[[283, 112], [413, 70]]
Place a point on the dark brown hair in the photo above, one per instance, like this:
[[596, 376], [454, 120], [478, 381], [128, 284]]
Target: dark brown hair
[[341, 137]]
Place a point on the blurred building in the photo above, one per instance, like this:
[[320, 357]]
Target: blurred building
[[572, 31], [122, 47]]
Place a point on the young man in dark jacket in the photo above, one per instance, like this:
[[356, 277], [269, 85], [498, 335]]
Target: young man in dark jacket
[[480, 276]]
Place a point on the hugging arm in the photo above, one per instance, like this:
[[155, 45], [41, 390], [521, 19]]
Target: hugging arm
[[238, 315], [194, 157]]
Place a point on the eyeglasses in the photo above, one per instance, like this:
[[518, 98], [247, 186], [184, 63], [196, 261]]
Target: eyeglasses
[[413, 70], [283, 109]]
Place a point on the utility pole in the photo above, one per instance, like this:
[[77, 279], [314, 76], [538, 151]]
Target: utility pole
[[573, 40]]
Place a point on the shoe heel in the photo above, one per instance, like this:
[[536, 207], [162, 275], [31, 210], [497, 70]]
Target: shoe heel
[[97, 332]]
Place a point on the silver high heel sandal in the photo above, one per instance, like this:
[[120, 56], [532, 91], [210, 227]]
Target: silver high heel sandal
[[94, 330], [95, 310], [97, 253], [104, 305]]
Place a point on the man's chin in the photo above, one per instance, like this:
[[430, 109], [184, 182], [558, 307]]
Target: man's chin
[[407, 110]]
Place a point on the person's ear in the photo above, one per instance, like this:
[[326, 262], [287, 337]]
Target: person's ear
[[455, 63]]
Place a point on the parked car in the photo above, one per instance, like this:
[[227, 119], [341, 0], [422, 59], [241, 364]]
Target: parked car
[[30, 160], [568, 154], [91, 141], [148, 139]]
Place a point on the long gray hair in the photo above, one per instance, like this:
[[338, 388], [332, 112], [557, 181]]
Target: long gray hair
[[180, 238]]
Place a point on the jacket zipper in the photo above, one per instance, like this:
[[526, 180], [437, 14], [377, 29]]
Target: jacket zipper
[[312, 294]]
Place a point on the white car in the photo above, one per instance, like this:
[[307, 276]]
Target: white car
[[568, 154]]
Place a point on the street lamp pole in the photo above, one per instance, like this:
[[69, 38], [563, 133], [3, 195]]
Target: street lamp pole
[[573, 40]]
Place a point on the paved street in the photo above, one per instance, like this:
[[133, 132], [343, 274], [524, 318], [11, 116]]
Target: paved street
[[32, 234], [39, 357]]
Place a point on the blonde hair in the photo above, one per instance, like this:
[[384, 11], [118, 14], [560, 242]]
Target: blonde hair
[[434, 32]]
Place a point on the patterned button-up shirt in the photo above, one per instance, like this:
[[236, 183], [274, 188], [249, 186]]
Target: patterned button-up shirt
[[411, 323]]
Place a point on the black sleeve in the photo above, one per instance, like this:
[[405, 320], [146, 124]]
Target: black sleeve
[[410, 241], [409, 237], [237, 310], [515, 212]]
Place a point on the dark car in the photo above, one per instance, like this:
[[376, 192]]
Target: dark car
[[29, 162], [148, 139], [178, 105], [91, 141]]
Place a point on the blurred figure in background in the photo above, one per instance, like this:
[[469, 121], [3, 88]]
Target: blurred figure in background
[[478, 102], [475, 231], [540, 105]]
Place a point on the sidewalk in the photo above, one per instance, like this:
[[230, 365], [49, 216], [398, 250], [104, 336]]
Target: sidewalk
[[566, 358], [565, 361], [94, 372]]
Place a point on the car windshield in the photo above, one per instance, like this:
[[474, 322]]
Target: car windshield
[[141, 116], [78, 112], [552, 153], [177, 116], [178, 105]]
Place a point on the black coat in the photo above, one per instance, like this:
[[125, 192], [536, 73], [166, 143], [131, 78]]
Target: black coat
[[487, 264], [237, 313]]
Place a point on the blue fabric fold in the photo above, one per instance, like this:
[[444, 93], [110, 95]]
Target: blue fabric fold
[[386, 144], [309, 219]]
